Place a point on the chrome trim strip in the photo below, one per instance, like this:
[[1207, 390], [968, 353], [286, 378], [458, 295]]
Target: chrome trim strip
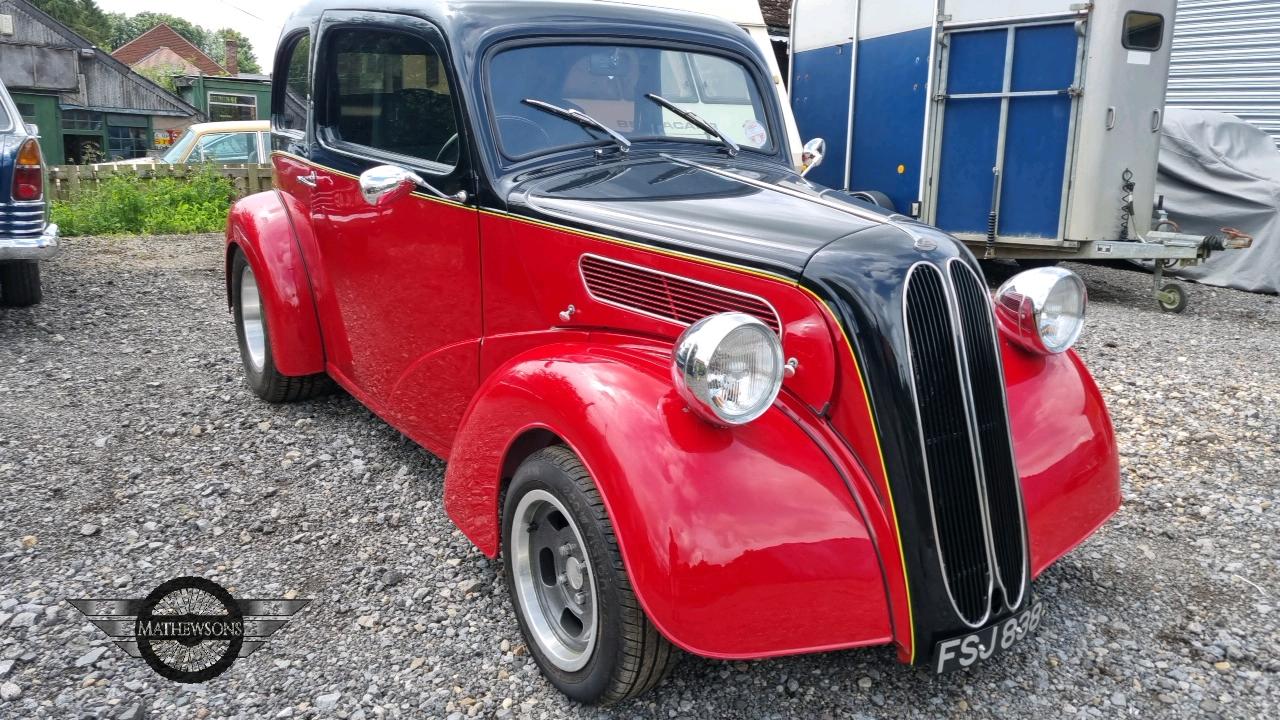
[[843, 207], [1012, 604], [777, 318], [971, 416], [915, 398]]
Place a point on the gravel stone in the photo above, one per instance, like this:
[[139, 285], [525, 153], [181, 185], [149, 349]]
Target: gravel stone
[[1185, 576], [90, 657], [10, 692]]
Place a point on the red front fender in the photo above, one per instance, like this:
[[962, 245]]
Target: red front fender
[[740, 542], [260, 227], [1065, 447]]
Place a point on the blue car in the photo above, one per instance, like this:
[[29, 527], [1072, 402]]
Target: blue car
[[26, 237]]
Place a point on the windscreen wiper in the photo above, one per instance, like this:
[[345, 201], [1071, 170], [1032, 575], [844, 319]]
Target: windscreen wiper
[[730, 146], [583, 119]]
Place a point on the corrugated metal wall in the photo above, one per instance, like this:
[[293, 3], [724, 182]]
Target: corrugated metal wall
[[1226, 57]]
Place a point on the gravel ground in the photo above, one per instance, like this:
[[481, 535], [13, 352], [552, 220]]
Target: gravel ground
[[131, 452]]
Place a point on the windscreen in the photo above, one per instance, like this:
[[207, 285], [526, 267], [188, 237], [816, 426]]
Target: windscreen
[[610, 84]]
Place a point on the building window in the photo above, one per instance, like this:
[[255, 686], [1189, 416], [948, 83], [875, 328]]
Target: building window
[[82, 120], [124, 143], [27, 111], [225, 106]]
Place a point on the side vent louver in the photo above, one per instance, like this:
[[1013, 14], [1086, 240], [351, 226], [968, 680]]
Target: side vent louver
[[669, 297]]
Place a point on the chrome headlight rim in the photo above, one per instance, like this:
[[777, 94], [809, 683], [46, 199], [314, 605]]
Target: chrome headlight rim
[[694, 352], [1021, 302]]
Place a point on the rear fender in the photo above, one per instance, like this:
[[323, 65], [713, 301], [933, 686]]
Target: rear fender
[[740, 543], [262, 228]]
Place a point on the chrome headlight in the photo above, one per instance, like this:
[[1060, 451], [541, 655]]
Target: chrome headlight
[[728, 367], [1043, 309]]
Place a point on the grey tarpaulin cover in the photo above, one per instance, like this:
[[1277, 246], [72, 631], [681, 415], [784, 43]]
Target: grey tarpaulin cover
[[1218, 171]]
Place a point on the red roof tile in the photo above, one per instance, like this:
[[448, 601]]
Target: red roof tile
[[163, 36]]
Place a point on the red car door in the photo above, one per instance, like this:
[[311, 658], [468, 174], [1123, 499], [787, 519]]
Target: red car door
[[401, 280]]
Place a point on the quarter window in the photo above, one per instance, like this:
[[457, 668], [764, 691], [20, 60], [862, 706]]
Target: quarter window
[[292, 104], [225, 106], [388, 91], [1143, 31]]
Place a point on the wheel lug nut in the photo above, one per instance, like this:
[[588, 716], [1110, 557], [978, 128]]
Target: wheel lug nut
[[579, 597], [561, 579], [565, 549]]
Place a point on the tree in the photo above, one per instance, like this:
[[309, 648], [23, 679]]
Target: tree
[[82, 16], [127, 27], [216, 48]]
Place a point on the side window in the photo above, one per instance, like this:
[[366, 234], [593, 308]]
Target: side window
[[241, 147], [291, 112], [1143, 31], [389, 91]]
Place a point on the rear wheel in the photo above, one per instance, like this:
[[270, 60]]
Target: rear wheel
[[20, 283], [255, 343], [577, 611]]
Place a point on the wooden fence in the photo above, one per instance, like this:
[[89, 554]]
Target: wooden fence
[[66, 181]]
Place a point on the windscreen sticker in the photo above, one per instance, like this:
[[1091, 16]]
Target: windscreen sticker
[[757, 136]]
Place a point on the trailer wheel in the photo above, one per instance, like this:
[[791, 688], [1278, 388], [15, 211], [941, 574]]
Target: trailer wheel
[[875, 197], [1172, 298]]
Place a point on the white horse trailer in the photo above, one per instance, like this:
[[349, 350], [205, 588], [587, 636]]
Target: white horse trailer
[[746, 15], [1030, 129]]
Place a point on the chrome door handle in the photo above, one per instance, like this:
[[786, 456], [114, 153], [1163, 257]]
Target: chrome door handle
[[309, 180]]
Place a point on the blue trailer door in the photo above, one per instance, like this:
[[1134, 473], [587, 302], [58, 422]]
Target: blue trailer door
[[1003, 131]]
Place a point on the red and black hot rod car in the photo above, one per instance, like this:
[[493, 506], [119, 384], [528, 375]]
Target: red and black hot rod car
[[690, 398]]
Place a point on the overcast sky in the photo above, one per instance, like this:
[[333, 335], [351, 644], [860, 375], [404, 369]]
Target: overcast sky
[[261, 20]]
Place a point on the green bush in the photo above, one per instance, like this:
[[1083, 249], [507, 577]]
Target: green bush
[[125, 204]]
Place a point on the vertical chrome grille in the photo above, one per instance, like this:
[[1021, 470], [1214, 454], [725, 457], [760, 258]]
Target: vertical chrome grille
[[991, 419], [964, 435]]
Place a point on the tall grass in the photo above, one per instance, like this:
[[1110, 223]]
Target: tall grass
[[128, 205]]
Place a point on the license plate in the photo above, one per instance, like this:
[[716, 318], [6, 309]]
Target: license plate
[[965, 650]]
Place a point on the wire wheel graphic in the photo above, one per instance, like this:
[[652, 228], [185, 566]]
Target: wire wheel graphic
[[190, 630]]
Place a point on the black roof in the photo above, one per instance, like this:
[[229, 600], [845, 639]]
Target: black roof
[[470, 23]]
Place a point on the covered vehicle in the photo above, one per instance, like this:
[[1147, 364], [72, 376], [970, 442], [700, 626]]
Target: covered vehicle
[[26, 236], [693, 400], [1218, 171]]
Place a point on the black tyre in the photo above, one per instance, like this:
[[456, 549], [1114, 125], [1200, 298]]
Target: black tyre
[[577, 610], [875, 197], [1172, 298], [255, 344], [20, 283]]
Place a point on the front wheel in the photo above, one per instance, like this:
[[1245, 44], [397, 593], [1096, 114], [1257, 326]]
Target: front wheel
[[255, 343], [574, 602]]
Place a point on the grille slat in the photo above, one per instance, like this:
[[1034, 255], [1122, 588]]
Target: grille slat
[[674, 298]]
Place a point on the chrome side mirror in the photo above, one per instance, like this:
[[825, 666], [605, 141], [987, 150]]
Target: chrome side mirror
[[33, 129], [814, 151], [385, 184]]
